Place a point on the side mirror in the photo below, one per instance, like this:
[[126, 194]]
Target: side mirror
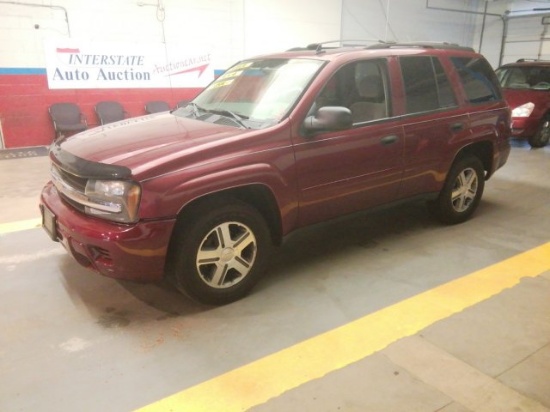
[[329, 118]]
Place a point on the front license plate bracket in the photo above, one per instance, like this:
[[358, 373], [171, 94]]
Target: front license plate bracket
[[49, 223]]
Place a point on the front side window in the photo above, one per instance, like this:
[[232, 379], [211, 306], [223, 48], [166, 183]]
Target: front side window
[[427, 87], [254, 93], [361, 87], [478, 79]]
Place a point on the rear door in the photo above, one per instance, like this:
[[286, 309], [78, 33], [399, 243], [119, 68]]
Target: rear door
[[432, 121]]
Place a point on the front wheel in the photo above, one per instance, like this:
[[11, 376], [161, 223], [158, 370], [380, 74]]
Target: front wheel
[[462, 191], [542, 136], [219, 251]]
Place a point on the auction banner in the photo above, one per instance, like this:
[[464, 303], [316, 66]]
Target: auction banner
[[72, 64]]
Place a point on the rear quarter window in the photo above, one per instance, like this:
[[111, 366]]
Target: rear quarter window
[[478, 79]]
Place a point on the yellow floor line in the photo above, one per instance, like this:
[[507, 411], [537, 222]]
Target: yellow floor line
[[20, 225], [269, 377]]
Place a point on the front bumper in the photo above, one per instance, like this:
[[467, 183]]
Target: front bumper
[[132, 252], [523, 127]]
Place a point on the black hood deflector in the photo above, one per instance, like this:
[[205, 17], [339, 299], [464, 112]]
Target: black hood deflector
[[85, 168]]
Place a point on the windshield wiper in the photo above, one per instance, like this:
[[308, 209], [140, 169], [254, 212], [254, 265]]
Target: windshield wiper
[[228, 113], [196, 109], [239, 119]]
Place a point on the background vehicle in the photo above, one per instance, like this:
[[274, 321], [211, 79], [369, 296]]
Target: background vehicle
[[526, 86], [276, 143]]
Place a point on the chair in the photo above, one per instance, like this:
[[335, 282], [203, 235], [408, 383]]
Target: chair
[[371, 105], [109, 112], [67, 118], [156, 106]]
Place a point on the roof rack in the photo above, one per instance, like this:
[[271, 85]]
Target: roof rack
[[379, 44], [421, 45], [531, 60], [318, 47]]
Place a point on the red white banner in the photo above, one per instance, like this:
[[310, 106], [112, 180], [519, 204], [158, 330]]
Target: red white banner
[[73, 64]]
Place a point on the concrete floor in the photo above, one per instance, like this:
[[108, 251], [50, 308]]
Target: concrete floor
[[71, 340]]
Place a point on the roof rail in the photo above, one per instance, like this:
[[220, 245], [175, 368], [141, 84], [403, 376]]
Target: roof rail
[[421, 45], [344, 43]]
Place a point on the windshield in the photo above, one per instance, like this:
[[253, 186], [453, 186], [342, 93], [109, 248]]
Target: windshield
[[524, 77], [254, 93]]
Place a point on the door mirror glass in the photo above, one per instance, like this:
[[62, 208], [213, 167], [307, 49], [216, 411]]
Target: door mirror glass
[[329, 118]]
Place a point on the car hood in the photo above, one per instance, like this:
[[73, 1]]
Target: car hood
[[517, 97], [142, 143]]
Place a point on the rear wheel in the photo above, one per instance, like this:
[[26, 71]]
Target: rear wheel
[[462, 191], [219, 251], [542, 136]]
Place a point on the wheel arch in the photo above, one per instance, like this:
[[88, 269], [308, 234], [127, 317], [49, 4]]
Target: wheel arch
[[540, 137], [484, 151], [249, 205], [258, 196]]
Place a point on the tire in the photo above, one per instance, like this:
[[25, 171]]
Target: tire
[[462, 191], [219, 251], [542, 136]]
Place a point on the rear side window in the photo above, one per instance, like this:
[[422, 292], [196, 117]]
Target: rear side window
[[426, 84], [478, 79]]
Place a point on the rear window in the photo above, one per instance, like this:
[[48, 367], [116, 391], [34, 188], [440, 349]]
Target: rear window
[[478, 79]]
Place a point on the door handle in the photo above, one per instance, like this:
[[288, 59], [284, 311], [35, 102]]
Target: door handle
[[386, 140], [456, 127]]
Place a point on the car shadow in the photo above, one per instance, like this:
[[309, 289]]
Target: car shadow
[[375, 232], [118, 303]]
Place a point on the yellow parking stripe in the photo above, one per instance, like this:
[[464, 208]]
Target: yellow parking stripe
[[20, 225], [266, 378]]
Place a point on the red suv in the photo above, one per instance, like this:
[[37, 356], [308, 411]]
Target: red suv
[[526, 86], [202, 194]]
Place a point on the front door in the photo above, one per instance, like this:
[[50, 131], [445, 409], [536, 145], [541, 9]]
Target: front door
[[346, 171]]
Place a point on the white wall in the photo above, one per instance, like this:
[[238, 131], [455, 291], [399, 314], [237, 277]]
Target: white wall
[[20, 42], [411, 20], [232, 29], [457, 21], [490, 42], [272, 25], [235, 29]]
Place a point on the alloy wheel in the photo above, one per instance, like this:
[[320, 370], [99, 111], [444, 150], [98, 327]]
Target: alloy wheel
[[464, 190], [226, 255]]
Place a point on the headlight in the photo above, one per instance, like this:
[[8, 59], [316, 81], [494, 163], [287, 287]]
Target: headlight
[[524, 110], [115, 200]]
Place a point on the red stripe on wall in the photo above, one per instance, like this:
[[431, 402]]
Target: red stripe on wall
[[24, 102]]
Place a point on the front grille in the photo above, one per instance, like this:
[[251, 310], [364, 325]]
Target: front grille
[[74, 204], [65, 181], [76, 182]]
